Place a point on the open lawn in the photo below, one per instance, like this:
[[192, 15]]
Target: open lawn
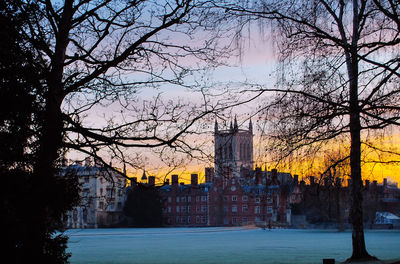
[[223, 245]]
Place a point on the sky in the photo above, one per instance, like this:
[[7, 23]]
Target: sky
[[256, 64]]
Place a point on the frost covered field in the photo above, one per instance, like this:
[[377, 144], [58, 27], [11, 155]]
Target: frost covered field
[[222, 245]]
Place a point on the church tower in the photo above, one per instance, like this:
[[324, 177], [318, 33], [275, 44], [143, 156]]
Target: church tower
[[233, 150]]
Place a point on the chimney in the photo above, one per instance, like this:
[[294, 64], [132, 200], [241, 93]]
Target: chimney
[[296, 179], [302, 183], [182, 183], [312, 180], [152, 180], [209, 175], [338, 182], [384, 182], [375, 184], [133, 180], [349, 182], [367, 184], [166, 182], [174, 179], [327, 182], [258, 175], [193, 179]]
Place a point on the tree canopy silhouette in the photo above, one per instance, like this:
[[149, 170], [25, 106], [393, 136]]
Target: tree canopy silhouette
[[338, 76]]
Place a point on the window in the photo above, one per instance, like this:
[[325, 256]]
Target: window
[[257, 200], [204, 198], [234, 220], [234, 208], [188, 219], [188, 209], [169, 209], [269, 200], [244, 220], [189, 199], [101, 205], [197, 198], [183, 199], [234, 198], [177, 219], [245, 198], [204, 208], [269, 209], [177, 209], [183, 220], [257, 209], [225, 209], [183, 209], [197, 219], [197, 208], [109, 192], [226, 198], [215, 209], [203, 219], [245, 208], [169, 199], [177, 199]]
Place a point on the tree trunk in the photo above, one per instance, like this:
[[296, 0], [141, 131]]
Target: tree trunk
[[358, 241], [45, 199], [45, 202]]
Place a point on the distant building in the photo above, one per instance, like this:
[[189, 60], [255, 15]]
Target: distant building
[[233, 194], [235, 202], [326, 202], [233, 151], [102, 196], [387, 218]]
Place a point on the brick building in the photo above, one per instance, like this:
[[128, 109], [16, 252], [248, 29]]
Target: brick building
[[233, 194]]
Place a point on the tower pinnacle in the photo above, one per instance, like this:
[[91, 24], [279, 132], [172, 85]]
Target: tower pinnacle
[[235, 125], [250, 126], [144, 178]]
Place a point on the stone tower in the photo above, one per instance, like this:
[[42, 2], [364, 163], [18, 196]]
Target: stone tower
[[233, 150]]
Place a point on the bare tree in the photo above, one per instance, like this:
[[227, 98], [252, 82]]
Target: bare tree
[[339, 75], [91, 54]]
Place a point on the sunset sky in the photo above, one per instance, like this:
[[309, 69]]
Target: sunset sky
[[256, 64]]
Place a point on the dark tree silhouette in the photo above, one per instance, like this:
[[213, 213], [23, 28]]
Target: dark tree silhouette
[[144, 206], [61, 60], [339, 75], [20, 124]]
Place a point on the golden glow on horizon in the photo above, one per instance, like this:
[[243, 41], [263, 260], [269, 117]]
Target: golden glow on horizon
[[387, 167]]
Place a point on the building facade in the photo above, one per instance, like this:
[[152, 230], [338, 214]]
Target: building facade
[[233, 150], [102, 196], [234, 193]]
